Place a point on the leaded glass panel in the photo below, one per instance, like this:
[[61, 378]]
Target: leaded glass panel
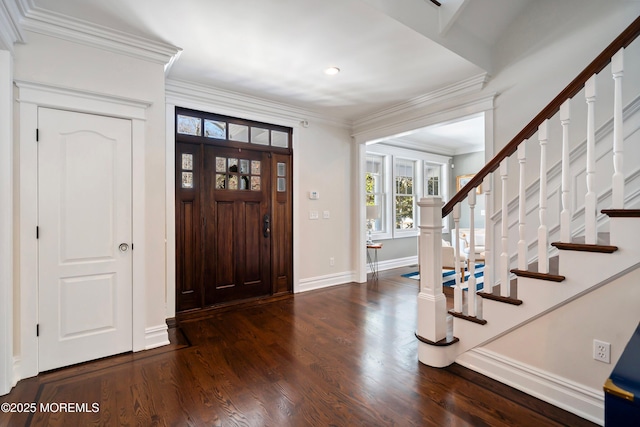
[[238, 133], [260, 136], [233, 182], [187, 179], [255, 167], [189, 125], [279, 139], [220, 181], [187, 162], [255, 183], [221, 164], [215, 129]]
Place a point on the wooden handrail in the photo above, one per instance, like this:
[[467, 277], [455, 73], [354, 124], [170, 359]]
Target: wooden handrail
[[623, 40]]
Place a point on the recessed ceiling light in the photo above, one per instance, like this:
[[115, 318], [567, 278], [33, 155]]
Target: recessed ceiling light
[[332, 71]]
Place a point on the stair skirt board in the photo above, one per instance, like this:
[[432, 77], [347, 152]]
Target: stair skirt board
[[585, 402]]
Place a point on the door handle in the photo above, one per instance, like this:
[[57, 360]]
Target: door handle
[[265, 226], [123, 247]]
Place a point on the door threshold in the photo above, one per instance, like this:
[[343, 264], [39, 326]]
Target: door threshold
[[210, 311]]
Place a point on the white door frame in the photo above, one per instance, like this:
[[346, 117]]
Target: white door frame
[[211, 101], [31, 96], [6, 222], [482, 103]]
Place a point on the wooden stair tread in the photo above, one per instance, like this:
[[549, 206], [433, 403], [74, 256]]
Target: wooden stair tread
[[499, 298], [622, 213], [584, 247], [532, 271], [496, 296], [469, 318]]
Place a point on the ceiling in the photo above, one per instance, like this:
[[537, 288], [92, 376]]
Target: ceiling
[[388, 51]]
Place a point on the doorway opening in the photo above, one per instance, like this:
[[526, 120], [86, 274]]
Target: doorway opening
[[234, 228]]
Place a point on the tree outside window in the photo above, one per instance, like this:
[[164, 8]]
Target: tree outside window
[[404, 194], [374, 187]]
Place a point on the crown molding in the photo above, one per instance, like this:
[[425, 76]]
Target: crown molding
[[453, 108], [38, 20], [10, 28], [470, 85], [207, 98]]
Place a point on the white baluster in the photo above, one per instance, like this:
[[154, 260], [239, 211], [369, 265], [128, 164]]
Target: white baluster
[[432, 304], [487, 284], [472, 300], [617, 69], [457, 290], [505, 286], [543, 234], [522, 211], [590, 199], [565, 215]]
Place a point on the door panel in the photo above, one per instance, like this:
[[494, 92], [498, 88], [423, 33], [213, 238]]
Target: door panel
[[236, 199], [188, 227], [84, 209]]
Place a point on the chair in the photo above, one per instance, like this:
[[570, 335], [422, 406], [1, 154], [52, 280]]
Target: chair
[[449, 258]]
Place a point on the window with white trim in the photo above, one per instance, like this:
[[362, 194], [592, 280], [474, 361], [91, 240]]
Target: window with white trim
[[404, 193], [375, 193], [395, 178]]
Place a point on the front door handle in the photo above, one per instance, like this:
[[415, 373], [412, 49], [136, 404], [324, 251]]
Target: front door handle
[[266, 226]]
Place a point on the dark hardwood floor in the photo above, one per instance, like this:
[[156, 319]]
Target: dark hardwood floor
[[343, 356]]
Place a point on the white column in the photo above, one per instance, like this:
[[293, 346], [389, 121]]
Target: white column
[[590, 199], [543, 233], [522, 211], [565, 215], [487, 284], [457, 290], [505, 286], [432, 306], [472, 301], [617, 70], [6, 222]]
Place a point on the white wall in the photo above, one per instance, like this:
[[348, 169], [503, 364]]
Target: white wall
[[56, 62], [561, 343], [324, 156], [6, 222]]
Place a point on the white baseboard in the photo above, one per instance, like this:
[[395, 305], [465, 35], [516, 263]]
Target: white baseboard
[[156, 336], [397, 263], [585, 402], [320, 282]]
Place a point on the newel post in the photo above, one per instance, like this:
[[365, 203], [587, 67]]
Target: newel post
[[432, 305]]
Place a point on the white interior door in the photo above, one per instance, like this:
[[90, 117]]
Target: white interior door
[[84, 244]]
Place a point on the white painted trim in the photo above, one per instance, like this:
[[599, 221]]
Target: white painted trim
[[397, 263], [445, 111], [31, 96], [583, 401], [319, 282], [10, 29], [156, 336], [206, 99], [170, 215], [6, 222], [42, 21], [483, 104], [464, 87]]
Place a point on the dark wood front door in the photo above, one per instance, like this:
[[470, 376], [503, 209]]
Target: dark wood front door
[[237, 223], [233, 217]]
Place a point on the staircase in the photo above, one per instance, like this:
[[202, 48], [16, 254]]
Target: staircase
[[527, 273]]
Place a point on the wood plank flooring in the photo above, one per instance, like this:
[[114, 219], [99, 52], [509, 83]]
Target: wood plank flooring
[[343, 356]]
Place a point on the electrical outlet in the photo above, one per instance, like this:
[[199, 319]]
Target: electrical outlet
[[332, 261], [602, 351]]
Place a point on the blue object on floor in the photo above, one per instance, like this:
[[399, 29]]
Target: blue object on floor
[[622, 389]]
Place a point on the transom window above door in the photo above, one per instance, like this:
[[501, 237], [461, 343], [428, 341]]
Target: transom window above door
[[235, 132]]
